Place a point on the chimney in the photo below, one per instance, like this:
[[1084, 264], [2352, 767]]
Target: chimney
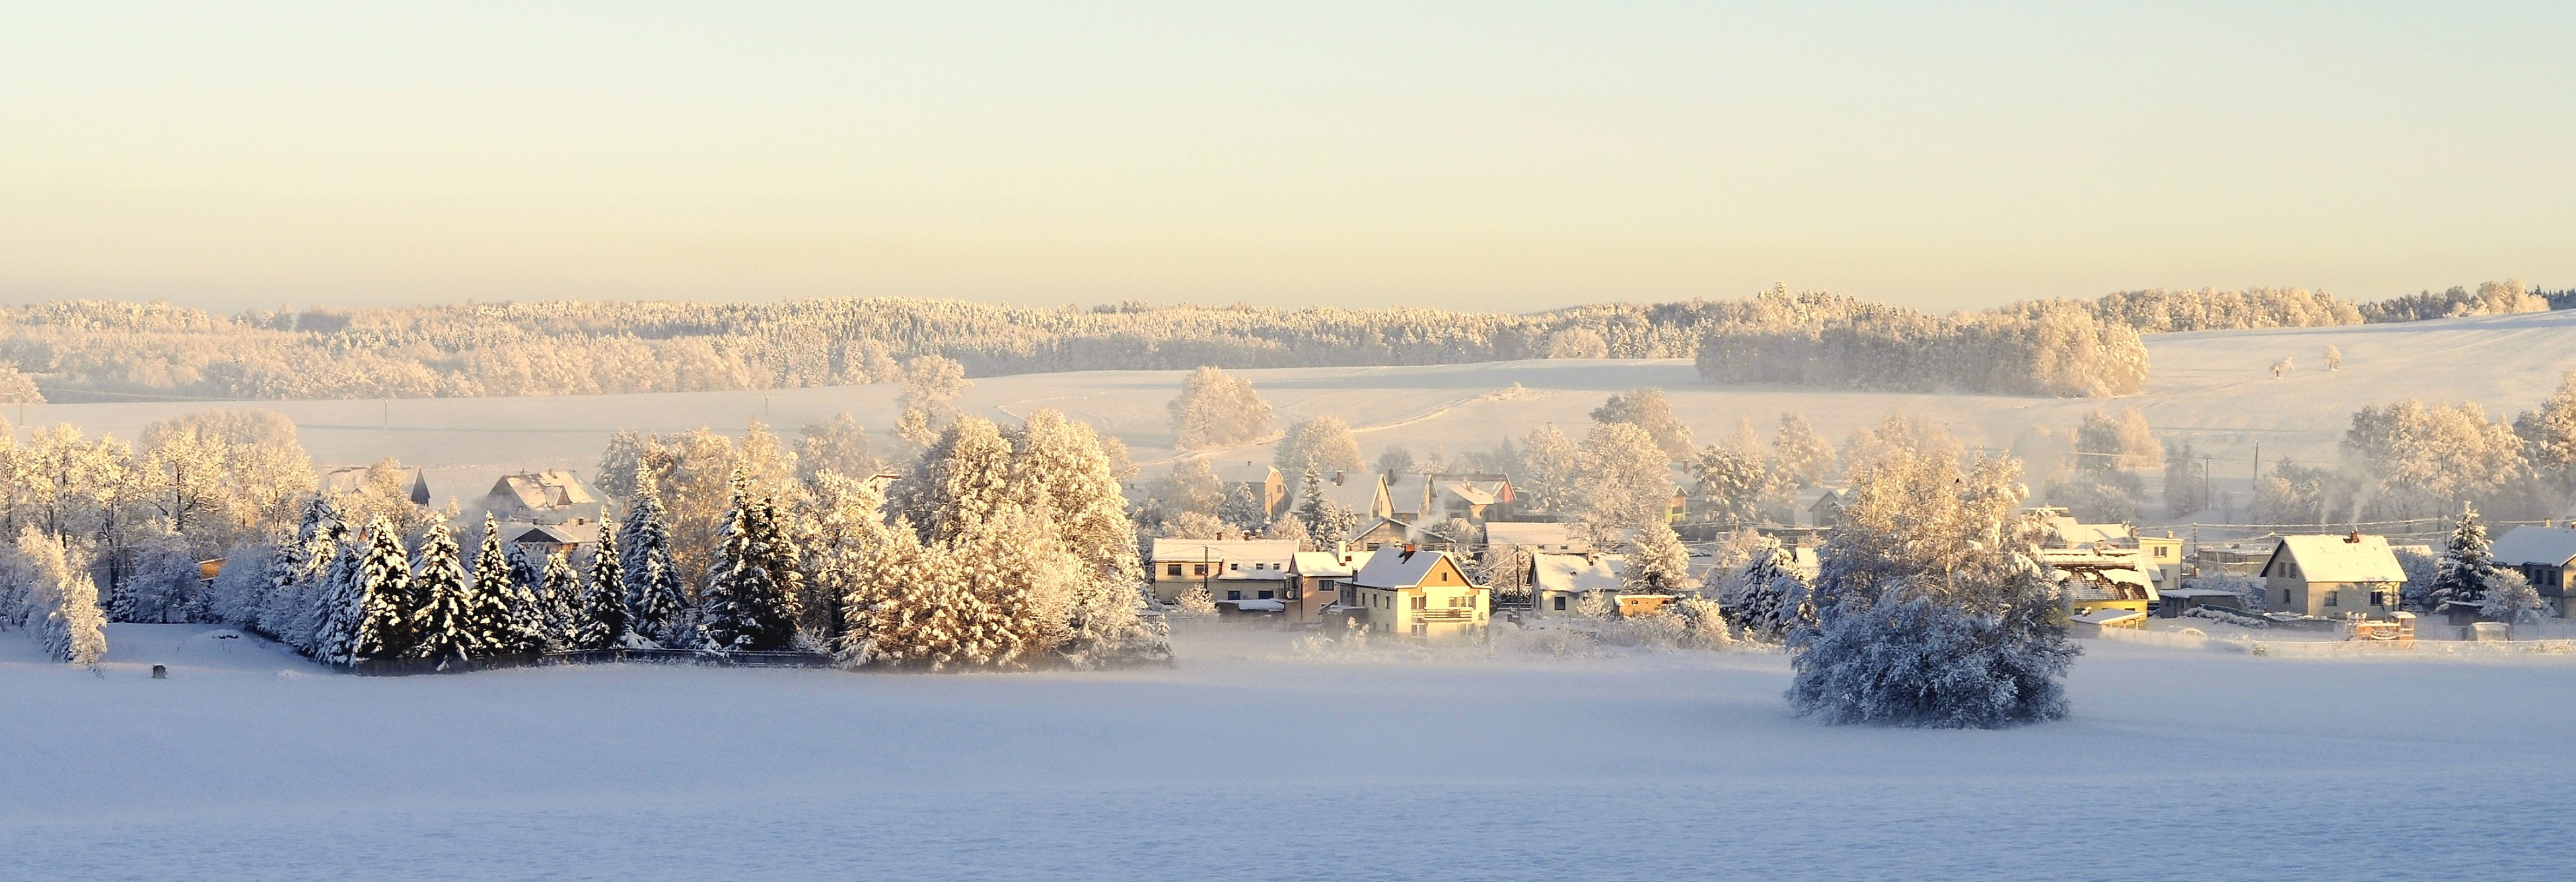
[[2354, 539]]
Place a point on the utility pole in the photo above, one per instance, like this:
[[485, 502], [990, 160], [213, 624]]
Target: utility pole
[[2205, 497]]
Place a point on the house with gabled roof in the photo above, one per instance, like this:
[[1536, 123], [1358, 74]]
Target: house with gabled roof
[[2544, 555], [553, 496], [1537, 537], [1268, 485], [2333, 575], [1315, 578], [1420, 594], [1230, 569]]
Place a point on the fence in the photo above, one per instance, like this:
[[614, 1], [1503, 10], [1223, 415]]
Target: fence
[[404, 667]]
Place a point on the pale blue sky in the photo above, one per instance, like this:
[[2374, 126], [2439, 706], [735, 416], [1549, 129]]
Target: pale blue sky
[[1513, 156]]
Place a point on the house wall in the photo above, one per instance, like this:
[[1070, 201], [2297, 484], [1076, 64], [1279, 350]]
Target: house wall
[[2294, 594], [1448, 611]]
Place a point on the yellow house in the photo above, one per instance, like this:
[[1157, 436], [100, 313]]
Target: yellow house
[[2101, 582], [1421, 594]]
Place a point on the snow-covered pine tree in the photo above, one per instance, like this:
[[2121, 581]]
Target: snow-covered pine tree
[[749, 604], [295, 608], [1798, 454], [1311, 510], [1657, 562], [599, 621], [383, 591], [558, 595], [654, 595], [1768, 597], [447, 604], [343, 609], [508, 619], [2467, 566], [960, 482]]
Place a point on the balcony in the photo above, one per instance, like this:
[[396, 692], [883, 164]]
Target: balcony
[[1445, 614]]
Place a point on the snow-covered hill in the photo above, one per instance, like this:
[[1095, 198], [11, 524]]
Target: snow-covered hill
[[2213, 386]]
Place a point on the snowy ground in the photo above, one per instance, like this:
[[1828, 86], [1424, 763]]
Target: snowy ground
[[2212, 387], [1251, 760]]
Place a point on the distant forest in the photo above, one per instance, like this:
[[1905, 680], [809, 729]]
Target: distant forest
[[70, 351]]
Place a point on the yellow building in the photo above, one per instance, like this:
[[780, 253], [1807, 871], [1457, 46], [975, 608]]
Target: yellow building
[[1420, 594]]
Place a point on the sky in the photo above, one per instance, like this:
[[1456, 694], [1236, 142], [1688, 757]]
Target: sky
[[1491, 155]]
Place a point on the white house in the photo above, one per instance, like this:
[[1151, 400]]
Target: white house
[[2333, 575], [1421, 594], [1536, 537], [1230, 569]]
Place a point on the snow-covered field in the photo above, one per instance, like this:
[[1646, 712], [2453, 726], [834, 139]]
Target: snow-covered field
[[1251, 760], [2211, 386]]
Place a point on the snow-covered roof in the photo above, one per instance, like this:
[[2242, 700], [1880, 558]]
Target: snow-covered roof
[[2197, 592], [1468, 490], [1389, 568], [2343, 559], [1243, 472], [1328, 565], [1357, 492], [2073, 532], [1409, 494], [1531, 533], [1246, 551], [550, 534], [2541, 546], [1254, 605], [552, 488], [1577, 572]]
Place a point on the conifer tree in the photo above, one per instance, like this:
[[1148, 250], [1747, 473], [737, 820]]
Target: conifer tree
[[653, 590], [600, 622], [1657, 563], [506, 620], [750, 600], [558, 590], [343, 607], [383, 592], [446, 597], [1311, 509], [2467, 567]]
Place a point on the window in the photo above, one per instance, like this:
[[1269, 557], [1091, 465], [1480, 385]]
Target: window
[[1198, 569], [1266, 595], [2379, 598], [1174, 569], [2162, 551], [1560, 604], [1421, 602], [1234, 595], [2332, 596], [1234, 567], [2285, 597], [1462, 601]]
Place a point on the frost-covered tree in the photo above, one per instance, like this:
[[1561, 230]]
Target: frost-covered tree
[[2334, 359], [1798, 454], [2116, 440], [1657, 562], [1217, 409], [2186, 480], [1322, 443], [1505, 569], [2468, 566], [1732, 485], [1550, 463], [1243, 509], [2282, 368], [1647, 409], [1622, 482], [931, 387], [343, 604], [57, 599], [1069, 484], [2427, 459], [16, 388], [298, 572], [654, 597], [1577, 343], [835, 444], [557, 586], [1932, 610], [2510, 598], [1288, 528], [1396, 460], [445, 597], [844, 519], [1194, 601], [2549, 436], [387, 626]]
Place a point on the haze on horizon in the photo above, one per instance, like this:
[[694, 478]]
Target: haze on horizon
[[1456, 155]]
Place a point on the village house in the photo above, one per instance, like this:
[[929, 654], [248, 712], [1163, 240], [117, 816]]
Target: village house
[[1474, 497], [1536, 537], [2104, 587], [2159, 557], [1314, 581], [1235, 570], [1268, 485], [1383, 532], [1560, 582], [541, 513], [1420, 594], [2331, 576], [2543, 554]]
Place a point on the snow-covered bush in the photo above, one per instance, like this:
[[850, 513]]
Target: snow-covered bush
[[2510, 598], [1923, 662], [2216, 614]]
